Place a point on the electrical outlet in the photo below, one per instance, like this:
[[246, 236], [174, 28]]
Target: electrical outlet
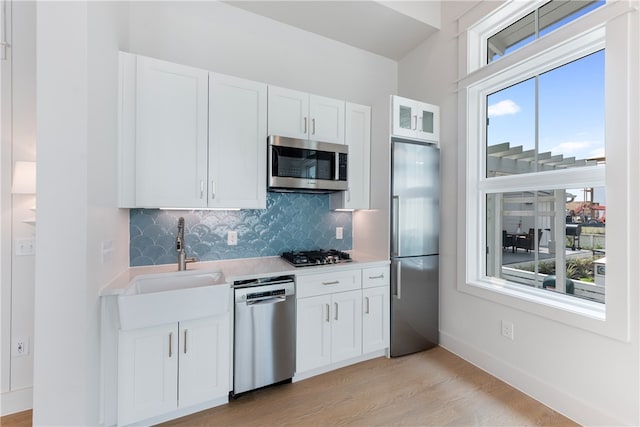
[[507, 329], [232, 238], [25, 246], [20, 346], [338, 233]]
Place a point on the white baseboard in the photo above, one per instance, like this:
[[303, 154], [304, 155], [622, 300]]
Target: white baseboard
[[183, 412], [16, 401], [324, 369], [560, 401]]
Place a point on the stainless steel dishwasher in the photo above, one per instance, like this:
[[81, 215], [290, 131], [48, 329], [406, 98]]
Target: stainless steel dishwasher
[[264, 350]]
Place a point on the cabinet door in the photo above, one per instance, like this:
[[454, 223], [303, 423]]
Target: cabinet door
[[375, 319], [237, 143], [346, 325], [204, 360], [358, 138], [171, 134], [147, 372], [313, 336], [428, 121], [327, 119], [288, 113], [405, 119]]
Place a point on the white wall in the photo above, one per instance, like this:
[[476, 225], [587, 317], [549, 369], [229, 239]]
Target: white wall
[[77, 46], [222, 38], [588, 377], [19, 100]]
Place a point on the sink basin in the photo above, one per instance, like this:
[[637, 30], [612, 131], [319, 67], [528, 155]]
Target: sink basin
[[156, 299], [161, 282]]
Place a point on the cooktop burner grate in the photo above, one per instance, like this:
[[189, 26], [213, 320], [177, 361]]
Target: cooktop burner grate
[[317, 257]]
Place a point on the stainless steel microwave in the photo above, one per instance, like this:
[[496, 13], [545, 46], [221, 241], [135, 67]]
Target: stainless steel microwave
[[306, 166]]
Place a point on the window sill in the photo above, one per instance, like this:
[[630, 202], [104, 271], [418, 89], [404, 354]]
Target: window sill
[[569, 310]]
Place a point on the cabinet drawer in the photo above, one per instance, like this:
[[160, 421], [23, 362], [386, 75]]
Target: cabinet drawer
[[328, 283], [377, 276]]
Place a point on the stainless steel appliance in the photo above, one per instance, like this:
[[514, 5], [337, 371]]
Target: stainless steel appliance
[[264, 332], [415, 224], [317, 257], [310, 166]]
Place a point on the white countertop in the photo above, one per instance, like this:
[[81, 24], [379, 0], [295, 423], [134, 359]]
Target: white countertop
[[240, 269]]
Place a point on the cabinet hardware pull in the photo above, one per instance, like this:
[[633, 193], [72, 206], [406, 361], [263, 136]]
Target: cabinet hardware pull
[[185, 342], [366, 299], [336, 310], [381, 276], [305, 125], [419, 121], [313, 126], [335, 282], [415, 119], [213, 190], [201, 188], [170, 345], [328, 309], [348, 195]]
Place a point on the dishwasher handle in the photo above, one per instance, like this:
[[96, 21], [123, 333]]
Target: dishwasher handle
[[267, 300]]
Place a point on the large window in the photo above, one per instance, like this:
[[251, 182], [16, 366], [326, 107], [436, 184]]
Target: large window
[[552, 121], [549, 134]]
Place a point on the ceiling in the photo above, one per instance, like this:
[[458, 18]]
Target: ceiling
[[383, 28]]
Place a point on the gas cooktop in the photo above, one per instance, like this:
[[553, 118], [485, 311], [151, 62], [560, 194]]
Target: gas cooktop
[[318, 257]]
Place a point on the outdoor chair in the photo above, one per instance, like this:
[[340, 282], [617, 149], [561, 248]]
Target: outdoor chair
[[528, 242], [508, 240]]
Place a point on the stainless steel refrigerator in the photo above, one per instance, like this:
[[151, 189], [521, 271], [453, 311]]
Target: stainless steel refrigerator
[[415, 225]]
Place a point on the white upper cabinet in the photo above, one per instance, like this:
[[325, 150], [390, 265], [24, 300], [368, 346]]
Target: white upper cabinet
[[415, 119], [170, 134], [237, 143], [299, 115], [358, 138], [288, 113], [327, 119], [189, 138]]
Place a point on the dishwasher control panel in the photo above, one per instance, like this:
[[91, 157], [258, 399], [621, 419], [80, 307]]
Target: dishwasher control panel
[[273, 293]]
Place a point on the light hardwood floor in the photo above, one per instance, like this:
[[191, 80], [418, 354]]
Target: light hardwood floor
[[434, 388]]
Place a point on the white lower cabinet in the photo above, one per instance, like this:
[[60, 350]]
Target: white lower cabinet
[[375, 318], [313, 341], [346, 325], [329, 329], [340, 316], [375, 308], [167, 367]]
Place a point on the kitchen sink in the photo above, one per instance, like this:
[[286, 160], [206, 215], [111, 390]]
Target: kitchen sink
[[155, 299]]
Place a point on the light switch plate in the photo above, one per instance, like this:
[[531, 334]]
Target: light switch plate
[[338, 233], [25, 246]]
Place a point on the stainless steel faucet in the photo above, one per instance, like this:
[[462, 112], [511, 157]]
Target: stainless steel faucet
[[180, 247]]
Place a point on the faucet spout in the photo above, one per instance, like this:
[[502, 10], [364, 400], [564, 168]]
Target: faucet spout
[[180, 247]]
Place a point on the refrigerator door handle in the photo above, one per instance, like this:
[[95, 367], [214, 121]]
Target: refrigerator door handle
[[395, 213], [398, 280]]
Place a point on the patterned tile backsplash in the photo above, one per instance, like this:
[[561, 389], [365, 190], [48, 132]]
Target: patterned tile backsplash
[[291, 222]]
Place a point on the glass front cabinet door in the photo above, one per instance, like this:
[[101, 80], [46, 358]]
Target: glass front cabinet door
[[415, 119]]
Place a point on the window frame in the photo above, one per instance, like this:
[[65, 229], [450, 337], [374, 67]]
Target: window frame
[[609, 24]]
